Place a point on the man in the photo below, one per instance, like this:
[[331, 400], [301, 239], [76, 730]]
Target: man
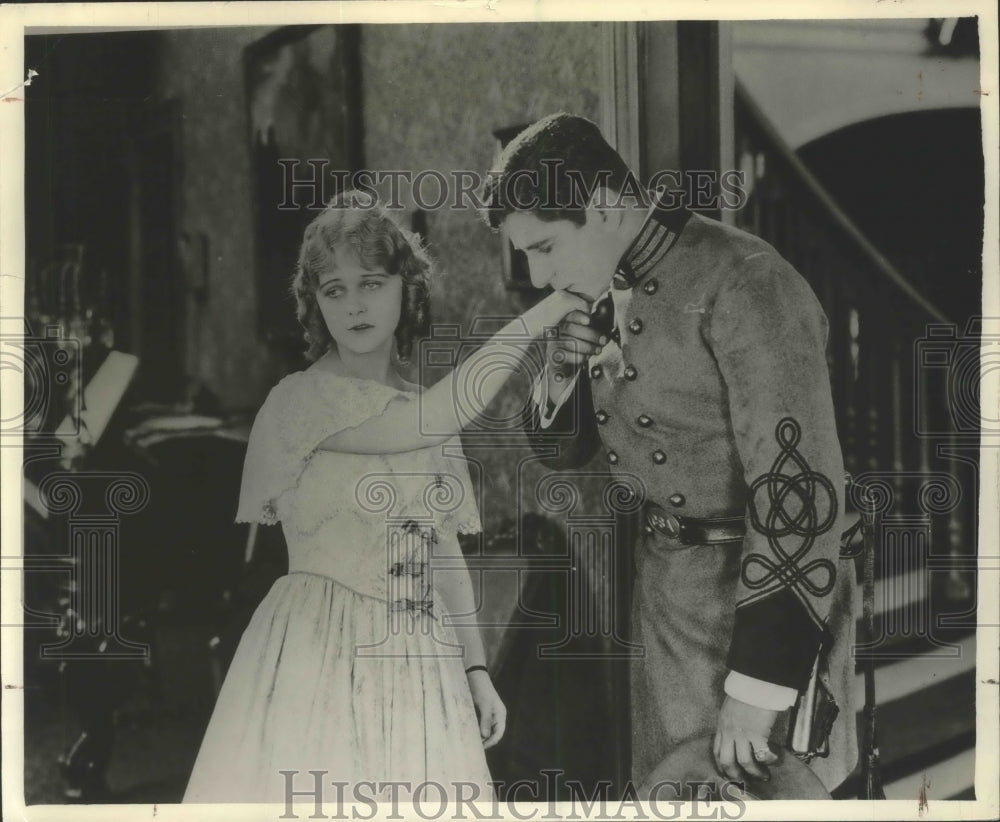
[[711, 386]]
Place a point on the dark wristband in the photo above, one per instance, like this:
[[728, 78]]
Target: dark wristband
[[472, 668]]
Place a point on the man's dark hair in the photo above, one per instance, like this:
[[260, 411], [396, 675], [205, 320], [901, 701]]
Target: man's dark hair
[[551, 169]]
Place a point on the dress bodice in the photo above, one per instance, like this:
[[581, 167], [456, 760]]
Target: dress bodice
[[370, 521]]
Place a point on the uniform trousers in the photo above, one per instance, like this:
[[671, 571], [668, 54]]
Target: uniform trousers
[[682, 617]]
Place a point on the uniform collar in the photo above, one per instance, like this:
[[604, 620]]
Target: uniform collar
[[657, 236]]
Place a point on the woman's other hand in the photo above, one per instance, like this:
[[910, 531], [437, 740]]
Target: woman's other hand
[[489, 708]]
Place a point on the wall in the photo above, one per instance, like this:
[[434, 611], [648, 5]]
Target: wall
[[425, 110], [203, 68], [812, 77]]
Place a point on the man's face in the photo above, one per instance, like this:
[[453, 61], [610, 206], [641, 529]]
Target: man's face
[[565, 256]]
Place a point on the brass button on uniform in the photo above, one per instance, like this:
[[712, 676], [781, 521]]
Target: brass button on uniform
[[596, 371], [631, 373], [635, 326], [677, 500], [650, 286], [659, 457], [612, 457], [644, 421], [602, 417]]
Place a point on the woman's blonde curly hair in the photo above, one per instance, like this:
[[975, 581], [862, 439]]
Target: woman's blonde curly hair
[[356, 219]]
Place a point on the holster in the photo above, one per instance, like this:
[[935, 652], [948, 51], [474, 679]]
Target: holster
[[812, 717]]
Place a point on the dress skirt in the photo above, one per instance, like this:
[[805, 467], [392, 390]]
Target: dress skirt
[[327, 679]]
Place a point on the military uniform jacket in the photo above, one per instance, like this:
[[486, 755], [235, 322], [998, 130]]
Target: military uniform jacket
[[718, 400]]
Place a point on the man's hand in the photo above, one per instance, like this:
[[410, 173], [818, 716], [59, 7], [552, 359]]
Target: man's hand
[[564, 354], [741, 740]]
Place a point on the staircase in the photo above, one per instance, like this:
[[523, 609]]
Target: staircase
[[905, 386]]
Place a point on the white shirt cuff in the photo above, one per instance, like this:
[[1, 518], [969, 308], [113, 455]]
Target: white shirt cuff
[[759, 693], [541, 399]]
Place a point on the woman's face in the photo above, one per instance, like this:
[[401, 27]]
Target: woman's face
[[360, 306]]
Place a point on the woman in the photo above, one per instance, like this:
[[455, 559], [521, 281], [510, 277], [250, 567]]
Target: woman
[[350, 665]]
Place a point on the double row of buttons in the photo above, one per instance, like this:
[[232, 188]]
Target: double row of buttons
[[644, 421], [630, 374]]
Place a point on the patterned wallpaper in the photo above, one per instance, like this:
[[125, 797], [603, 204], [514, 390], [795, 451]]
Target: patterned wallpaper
[[427, 107]]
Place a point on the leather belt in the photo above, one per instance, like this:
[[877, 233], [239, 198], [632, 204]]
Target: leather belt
[[690, 531]]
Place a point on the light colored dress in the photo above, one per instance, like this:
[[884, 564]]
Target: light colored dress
[[347, 666]]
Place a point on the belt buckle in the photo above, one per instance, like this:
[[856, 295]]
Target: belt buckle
[[667, 524]]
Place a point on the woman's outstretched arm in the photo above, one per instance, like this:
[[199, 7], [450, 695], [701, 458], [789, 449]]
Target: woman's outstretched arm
[[400, 427]]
